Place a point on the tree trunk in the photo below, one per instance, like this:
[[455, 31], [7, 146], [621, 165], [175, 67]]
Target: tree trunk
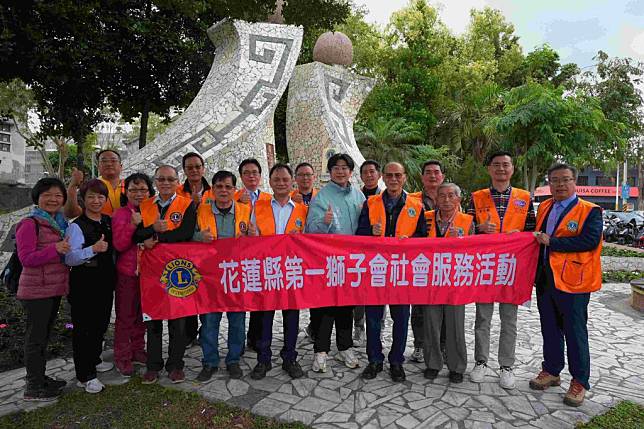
[[534, 174], [49, 168], [526, 182], [63, 154], [143, 132]]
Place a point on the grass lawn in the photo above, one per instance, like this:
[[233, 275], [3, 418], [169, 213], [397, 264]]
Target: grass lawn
[[625, 415], [133, 405]]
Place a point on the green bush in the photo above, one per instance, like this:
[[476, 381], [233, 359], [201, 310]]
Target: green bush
[[620, 276], [614, 251], [625, 415]]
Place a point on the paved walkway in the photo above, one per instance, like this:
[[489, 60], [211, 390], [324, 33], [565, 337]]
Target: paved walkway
[[340, 399]]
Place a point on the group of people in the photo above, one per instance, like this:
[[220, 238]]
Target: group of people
[[94, 262]]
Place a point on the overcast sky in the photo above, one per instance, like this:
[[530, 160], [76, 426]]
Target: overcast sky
[[577, 29]]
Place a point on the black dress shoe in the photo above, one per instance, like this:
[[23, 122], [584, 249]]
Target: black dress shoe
[[54, 383], [206, 373], [455, 377], [234, 371], [293, 369], [372, 370], [397, 373], [260, 370], [430, 374]]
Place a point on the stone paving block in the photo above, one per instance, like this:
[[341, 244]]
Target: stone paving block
[[482, 416], [407, 422], [347, 405], [435, 420], [314, 405], [333, 417], [304, 386], [270, 407], [327, 394], [237, 387], [284, 397], [298, 416]]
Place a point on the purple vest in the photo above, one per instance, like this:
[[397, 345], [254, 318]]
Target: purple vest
[[48, 280]]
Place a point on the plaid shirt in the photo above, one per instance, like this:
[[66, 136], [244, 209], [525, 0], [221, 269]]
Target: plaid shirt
[[501, 200]]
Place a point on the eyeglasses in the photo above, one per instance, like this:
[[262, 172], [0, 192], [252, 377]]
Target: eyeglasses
[[139, 191], [396, 175], [165, 179], [226, 187], [563, 181], [193, 167], [338, 168], [304, 175], [501, 164], [251, 173]]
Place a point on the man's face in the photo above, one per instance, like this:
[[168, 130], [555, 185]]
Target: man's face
[[224, 191], [109, 165], [370, 176], [341, 173], [562, 184], [194, 169], [281, 182], [251, 176], [166, 181], [448, 200], [394, 177], [304, 178], [501, 168], [432, 176]]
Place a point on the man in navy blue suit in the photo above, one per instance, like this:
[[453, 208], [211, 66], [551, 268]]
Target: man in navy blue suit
[[569, 230]]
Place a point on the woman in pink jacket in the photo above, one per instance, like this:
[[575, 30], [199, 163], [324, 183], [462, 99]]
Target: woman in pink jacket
[[43, 281], [129, 342]]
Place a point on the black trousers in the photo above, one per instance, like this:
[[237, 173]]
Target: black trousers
[[176, 347], [192, 328], [254, 328], [342, 317], [40, 318], [91, 306]]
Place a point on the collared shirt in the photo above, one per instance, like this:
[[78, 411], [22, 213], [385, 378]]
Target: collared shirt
[[306, 198], [557, 209], [428, 202], [225, 221], [371, 192], [163, 205], [254, 195], [281, 214], [501, 200]]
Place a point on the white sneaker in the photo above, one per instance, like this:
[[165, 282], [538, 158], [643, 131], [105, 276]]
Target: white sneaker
[[319, 362], [104, 366], [417, 355], [92, 386], [478, 373], [348, 358], [358, 336], [507, 378]]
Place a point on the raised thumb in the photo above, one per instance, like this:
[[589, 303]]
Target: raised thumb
[[102, 237]]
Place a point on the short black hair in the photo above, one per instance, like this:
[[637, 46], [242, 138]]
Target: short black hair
[[136, 178], [249, 161], [340, 157], [302, 165], [94, 185], [563, 166], [431, 162], [45, 184], [188, 156], [368, 163], [493, 155], [101, 152], [222, 175], [280, 166]]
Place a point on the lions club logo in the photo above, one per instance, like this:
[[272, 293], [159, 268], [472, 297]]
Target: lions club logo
[[460, 232], [411, 212], [243, 227], [176, 217], [572, 226], [298, 222], [180, 278], [519, 203]]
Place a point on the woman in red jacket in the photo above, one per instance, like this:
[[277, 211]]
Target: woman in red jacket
[[129, 342], [43, 281]]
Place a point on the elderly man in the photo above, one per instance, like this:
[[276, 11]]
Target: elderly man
[[304, 177], [498, 209], [390, 214], [109, 170], [446, 221], [569, 231]]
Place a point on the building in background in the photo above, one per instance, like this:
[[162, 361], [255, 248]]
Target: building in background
[[12, 154]]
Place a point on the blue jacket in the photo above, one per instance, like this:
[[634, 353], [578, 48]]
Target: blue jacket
[[346, 204]]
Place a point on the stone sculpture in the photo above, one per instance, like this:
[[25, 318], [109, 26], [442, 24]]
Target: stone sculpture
[[231, 118]]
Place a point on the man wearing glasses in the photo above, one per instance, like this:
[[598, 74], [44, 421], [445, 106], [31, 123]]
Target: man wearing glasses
[[498, 209], [250, 172], [304, 177], [196, 184], [109, 169], [166, 218]]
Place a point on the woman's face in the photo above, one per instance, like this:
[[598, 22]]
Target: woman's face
[[51, 200], [137, 192], [94, 202]]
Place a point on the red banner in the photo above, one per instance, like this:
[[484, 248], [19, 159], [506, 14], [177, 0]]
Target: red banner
[[306, 271]]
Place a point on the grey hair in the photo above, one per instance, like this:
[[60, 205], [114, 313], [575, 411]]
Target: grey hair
[[454, 186], [176, 172]]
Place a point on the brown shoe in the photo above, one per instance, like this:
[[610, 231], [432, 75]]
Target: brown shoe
[[544, 380], [575, 395]]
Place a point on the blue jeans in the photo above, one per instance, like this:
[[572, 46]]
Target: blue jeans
[[209, 337], [290, 321], [563, 318], [400, 316]]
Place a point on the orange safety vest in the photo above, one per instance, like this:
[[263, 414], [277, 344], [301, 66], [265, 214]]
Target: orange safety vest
[[266, 221], [206, 218], [181, 191], [462, 222], [150, 211], [516, 212], [113, 197], [573, 272], [263, 196], [297, 191], [407, 219]]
